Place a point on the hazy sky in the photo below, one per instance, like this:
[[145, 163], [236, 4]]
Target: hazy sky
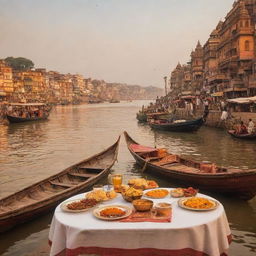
[[132, 41]]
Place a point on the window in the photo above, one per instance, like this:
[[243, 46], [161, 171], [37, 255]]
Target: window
[[247, 23], [247, 45]]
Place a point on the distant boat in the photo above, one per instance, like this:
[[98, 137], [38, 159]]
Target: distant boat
[[246, 136], [141, 117], [114, 101], [15, 119], [44, 195], [95, 101], [23, 107], [144, 116], [177, 125], [205, 175]]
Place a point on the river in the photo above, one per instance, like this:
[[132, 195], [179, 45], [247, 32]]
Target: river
[[33, 151]]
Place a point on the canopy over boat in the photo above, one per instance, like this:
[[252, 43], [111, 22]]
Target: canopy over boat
[[243, 100], [27, 104]]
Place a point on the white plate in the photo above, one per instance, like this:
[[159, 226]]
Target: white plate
[[183, 200], [64, 207], [127, 209]]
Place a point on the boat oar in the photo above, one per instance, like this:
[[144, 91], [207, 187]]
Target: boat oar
[[145, 165]]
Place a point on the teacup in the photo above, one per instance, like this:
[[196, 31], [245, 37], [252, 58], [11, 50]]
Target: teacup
[[162, 210]]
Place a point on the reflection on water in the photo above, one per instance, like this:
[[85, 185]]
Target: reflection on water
[[33, 151]]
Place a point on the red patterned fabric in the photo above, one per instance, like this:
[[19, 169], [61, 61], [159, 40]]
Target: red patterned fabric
[[130, 252], [134, 252], [145, 217]]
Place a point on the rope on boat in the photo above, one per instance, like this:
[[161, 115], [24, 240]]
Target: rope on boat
[[145, 165]]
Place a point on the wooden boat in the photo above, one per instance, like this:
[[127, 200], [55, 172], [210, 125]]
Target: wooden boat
[[206, 176], [16, 119], [23, 106], [141, 117], [178, 125], [40, 197], [246, 136], [114, 101]]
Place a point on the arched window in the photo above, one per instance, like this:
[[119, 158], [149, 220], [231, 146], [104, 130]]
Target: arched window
[[246, 23], [247, 45]]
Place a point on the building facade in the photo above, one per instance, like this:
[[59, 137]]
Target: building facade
[[226, 64]]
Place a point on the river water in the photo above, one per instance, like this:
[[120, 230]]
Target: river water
[[33, 151]]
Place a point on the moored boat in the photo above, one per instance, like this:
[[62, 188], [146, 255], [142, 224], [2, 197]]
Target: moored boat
[[246, 136], [26, 112], [141, 117], [16, 119], [114, 101], [206, 176], [177, 125], [42, 196]]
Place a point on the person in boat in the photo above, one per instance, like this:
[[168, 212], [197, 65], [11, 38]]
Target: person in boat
[[242, 129], [251, 126]]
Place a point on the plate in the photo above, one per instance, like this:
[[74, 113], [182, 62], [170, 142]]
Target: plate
[[64, 207], [103, 200], [182, 201], [156, 197], [127, 209]]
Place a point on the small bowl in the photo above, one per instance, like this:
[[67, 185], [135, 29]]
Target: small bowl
[[142, 205], [131, 198]]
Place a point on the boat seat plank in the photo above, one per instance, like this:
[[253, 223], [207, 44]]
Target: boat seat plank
[[181, 167], [82, 175], [95, 168], [153, 158], [91, 168], [68, 185]]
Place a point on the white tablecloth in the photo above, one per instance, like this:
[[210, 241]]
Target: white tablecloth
[[190, 233]]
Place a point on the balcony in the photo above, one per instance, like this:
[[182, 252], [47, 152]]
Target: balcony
[[217, 77], [235, 85]]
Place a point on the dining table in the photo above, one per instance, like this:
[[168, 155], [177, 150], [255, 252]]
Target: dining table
[[187, 233]]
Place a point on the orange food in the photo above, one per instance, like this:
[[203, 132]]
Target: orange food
[[82, 204], [198, 203], [112, 212], [152, 184], [157, 193]]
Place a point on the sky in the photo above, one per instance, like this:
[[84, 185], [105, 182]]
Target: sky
[[128, 41]]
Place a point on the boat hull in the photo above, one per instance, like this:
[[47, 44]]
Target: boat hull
[[141, 117], [188, 126], [239, 184], [14, 119], [242, 136], [44, 204]]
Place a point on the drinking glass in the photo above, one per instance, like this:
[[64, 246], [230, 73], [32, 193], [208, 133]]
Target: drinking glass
[[117, 180]]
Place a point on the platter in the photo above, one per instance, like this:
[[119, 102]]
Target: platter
[[101, 195], [64, 206], [126, 209], [156, 193], [213, 206]]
